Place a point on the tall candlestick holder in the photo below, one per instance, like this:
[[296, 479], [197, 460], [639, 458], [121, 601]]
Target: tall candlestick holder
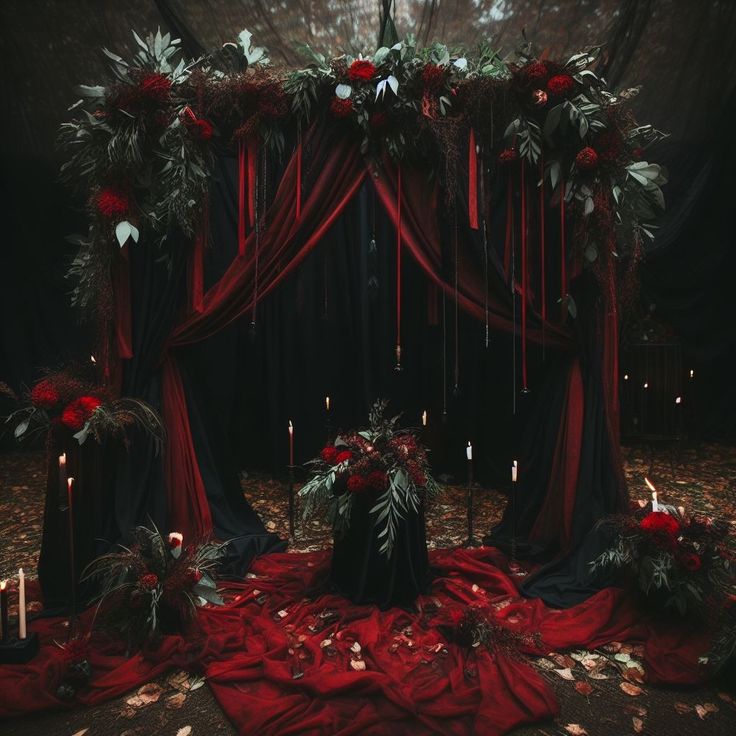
[[471, 541], [72, 561], [19, 651], [292, 501], [514, 479]]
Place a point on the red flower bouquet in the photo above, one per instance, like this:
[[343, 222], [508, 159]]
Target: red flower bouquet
[[560, 85], [44, 395], [586, 159], [361, 70], [112, 203], [381, 462]]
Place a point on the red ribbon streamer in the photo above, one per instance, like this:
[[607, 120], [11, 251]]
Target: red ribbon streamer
[[252, 163], [542, 258], [398, 265], [299, 178], [524, 278], [241, 198], [472, 181]]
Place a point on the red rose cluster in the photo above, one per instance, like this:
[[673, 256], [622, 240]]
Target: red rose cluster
[[560, 85], [659, 522], [341, 108], [79, 411], [155, 87], [44, 395], [112, 203], [148, 581], [536, 73], [587, 159], [361, 70], [433, 76]]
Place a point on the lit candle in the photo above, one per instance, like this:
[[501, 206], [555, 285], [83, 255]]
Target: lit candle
[[424, 418], [692, 373], [646, 384], [92, 359], [69, 486], [469, 451], [291, 442], [327, 403], [655, 503], [21, 604], [4, 609], [626, 376], [514, 471], [62, 480], [678, 400]]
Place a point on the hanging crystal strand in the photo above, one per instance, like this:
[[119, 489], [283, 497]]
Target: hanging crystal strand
[[456, 367]]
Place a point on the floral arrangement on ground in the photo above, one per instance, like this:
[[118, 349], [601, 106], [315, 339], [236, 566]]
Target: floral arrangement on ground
[[67, 400], [155, 585], [680, 563], [142, 147], [382, 462]]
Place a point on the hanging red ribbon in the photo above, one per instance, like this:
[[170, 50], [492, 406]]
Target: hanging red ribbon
[[524, 278], [472, 181], [299, 177], [241, 198], [252, 164], [197, 284], [542, 258], [398, 267]]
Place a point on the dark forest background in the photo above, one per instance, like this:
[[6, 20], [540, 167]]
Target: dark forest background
[[682, 52]]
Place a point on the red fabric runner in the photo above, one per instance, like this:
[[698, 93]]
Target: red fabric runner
[[251, 655]]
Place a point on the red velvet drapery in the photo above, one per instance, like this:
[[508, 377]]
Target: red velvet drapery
[[328, 170]]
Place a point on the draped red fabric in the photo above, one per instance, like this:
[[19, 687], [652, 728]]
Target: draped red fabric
[[121, 291], [421, 236], [196, 286], [272, 675], [554, 521], [188, 508]]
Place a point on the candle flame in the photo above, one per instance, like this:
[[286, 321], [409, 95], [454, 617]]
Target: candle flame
[[3, 583], [649, 485], [626, 376], [291, 426], [692, 374], [327, 403], [62, 459], [70, 482], [92, 359], [646, 384], [424, 418], [678, 400]]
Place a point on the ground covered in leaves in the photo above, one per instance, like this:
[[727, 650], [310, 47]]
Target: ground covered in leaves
[[601, 692]]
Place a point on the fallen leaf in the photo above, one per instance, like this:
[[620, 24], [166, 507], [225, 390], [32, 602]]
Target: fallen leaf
[[175, 701], [630, 689], [701, 711], [622, 657], [149, 693], [638, 724], [565, 674], [590, 663], [184, 731], [584, 688], [576, 729], [81, 733], [637, 710], [683, 708], [711, 707], [562, 660], [195, 683], [357, 664], [632, 674], [728, 698], [545, 664]]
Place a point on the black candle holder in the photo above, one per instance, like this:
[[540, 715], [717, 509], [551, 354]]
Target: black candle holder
[[292, 526], [19, 651], [471, 541]]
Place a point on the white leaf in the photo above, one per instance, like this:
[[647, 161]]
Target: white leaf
[[343, 91], [461, 63], [134, 233], [123, 232], [380, 88], [397, 46], [380, 55], [184, 731], [394, 84]]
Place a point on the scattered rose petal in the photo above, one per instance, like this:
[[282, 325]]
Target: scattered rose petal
[[565, 674], [81, 733], [184, 731], [149, 693], [584, 688], [175, 701], [638, 724], [711, 707], [701, 711], [683, 708], [630, 689], [357, 664], [727, 698], [576, 729]]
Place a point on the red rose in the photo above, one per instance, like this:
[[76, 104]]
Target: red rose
[[89, 404], [587, 159], [361, 70], [44, 395], [193, 576], [357, 484], [377, 480], [148, 581], [341, 108], [112, 203], [433, 75], [343, 456], [79, 411], [691, 561], [659, 521], [560, 85], [378, 120], [508, 156], [156, 87], [329, 455], [536, 72]]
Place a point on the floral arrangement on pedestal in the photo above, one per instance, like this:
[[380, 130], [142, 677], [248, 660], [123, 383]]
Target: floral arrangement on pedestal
[[382, 462], [155, 585], [64, 400], [681, 563]]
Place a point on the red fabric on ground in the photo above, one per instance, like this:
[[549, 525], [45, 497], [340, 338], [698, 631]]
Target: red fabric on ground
[[251, 655]]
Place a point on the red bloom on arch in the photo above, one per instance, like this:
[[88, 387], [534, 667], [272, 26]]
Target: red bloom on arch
[[691, 561], [156, 87], [377, 480], [560, 85], [587, 159], [341, 108], [202, 129], [343, 456], [357, 484], [329, 455], [79, 411], [148, 581], [659, 521], [361, 70], [536, 72], [44, 395], [433, 75], [112, 202]]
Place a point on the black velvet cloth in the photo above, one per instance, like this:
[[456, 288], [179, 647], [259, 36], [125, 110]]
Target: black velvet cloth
[[362, 573]]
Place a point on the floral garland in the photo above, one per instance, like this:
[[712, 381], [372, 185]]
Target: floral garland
[[143, 147], [383, 463]]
